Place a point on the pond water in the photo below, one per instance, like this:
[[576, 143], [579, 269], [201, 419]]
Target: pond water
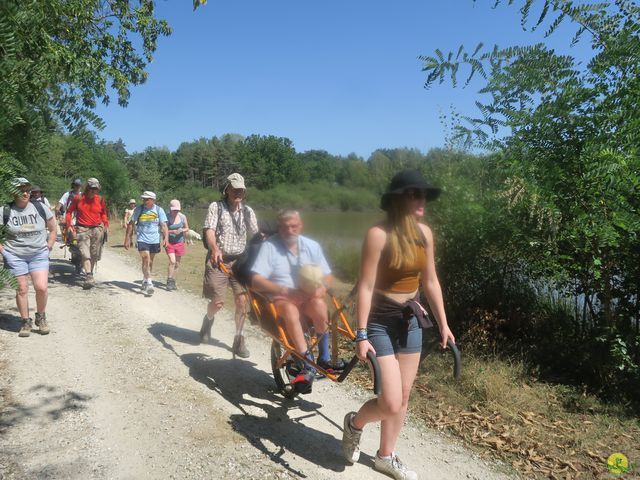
[[340, 234]]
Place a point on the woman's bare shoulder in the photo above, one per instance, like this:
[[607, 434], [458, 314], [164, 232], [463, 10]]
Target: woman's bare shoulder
[[376, 235], [426, 230]]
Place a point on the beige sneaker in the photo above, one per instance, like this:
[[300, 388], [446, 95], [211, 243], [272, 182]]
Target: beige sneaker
[[25, 328], [41, 323], [394, 467], [350, 440]]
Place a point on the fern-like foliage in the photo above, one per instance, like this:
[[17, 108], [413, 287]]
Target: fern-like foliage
[[58, 58], [519, 78], [568, 135], [9, 169]]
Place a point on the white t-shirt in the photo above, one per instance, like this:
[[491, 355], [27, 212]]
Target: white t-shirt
[[64, 201], [26, 230]]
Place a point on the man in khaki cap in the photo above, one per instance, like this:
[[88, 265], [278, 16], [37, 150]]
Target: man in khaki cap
[[227, 227]]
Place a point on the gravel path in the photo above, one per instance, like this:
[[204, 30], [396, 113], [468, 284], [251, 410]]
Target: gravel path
[[121, 389]]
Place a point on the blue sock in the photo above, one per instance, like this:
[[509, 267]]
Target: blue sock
[[323, 348], [307, 366]]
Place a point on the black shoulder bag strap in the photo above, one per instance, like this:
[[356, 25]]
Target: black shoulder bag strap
[[6, 213], [217, 231], [40, 209]]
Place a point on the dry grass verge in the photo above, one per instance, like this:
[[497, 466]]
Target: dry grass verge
[[543, 431]]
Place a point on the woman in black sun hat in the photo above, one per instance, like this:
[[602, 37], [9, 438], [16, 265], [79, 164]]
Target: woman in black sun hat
[[396, 256]]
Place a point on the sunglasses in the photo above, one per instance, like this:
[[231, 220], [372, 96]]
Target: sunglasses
[[415, 194]]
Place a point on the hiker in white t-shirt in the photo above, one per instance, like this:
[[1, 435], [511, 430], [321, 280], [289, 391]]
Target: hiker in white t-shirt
[[30, 236]]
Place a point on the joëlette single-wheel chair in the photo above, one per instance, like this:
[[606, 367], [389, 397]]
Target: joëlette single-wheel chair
[[285, 360]]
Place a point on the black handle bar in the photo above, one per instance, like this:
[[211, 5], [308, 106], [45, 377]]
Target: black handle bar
[[457, 365], [376, 372], [374, 364]]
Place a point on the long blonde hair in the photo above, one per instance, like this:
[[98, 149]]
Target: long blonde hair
[[404, 232]]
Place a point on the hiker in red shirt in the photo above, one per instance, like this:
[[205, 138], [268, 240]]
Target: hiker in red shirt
[[92, 223]]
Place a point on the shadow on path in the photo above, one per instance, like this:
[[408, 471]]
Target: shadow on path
[[181, 335], [51, 403], [120, 284], [45, 404], [268, 421], [62, 271], [10, 323]]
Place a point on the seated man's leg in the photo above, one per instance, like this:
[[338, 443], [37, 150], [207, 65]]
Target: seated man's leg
[[291, 317], [316, 309]]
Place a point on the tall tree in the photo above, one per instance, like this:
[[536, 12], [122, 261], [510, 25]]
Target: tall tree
[[568, 134]]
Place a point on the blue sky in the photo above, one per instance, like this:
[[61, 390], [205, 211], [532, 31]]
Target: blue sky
[[338, 75]]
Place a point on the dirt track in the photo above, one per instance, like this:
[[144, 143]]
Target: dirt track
[[121, 389]]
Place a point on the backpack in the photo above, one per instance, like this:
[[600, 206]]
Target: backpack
[[135, 216], [70, 198], [6, 211], [241, 268], [245, 216]]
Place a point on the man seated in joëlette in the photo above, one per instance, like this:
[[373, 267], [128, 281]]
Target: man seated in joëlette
[[277, 272]]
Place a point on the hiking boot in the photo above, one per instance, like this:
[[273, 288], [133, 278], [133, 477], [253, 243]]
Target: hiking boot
[[41, 323], [394, 467], [303, 383], [205, 330], [89, 282], [330, 366], [350, 439], [25, 328], [239, 348], [171, 284]]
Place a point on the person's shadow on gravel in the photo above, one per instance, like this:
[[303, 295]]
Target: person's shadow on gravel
[[62, 271], [10, 323], [161, 330], [248, 388], [120, 284]]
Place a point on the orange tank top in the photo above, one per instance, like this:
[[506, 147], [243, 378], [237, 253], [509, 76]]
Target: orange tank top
[[405, 279]]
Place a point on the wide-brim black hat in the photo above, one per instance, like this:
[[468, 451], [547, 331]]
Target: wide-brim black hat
[[408, 180]]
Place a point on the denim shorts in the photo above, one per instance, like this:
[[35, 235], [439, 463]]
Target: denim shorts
[[148, 247], [19, 266], [390, 338]]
